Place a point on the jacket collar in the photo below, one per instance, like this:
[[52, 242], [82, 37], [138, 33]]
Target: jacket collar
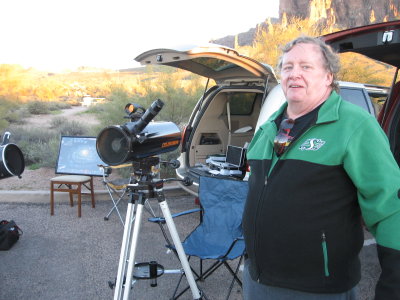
[[329, 111]]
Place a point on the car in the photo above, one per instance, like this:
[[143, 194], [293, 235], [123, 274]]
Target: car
[[380, 42], [226, 117]]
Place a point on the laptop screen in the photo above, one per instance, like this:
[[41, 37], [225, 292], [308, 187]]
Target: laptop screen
[[235, 155]]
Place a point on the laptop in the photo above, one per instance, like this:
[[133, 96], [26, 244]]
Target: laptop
[[235, 156], [234, 159]]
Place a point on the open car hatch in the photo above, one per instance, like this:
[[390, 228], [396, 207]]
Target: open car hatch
[[377, 41], [220, 63]]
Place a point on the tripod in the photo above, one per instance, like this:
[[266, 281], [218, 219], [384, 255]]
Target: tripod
[[126, 267]]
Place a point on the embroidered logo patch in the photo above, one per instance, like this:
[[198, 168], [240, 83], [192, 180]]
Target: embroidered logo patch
[[312, 144]]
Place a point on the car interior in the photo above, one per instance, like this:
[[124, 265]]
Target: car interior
[[230, 119]]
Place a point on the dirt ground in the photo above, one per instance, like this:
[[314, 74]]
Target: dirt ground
[[39, 180], [75, 113]]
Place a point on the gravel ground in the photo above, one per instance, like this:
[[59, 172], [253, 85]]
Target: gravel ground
[[63, 257]]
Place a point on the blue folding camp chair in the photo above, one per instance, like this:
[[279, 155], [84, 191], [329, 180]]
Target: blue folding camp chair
[[219, 235]]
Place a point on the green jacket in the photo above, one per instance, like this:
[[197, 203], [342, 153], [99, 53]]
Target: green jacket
[[302, 221]]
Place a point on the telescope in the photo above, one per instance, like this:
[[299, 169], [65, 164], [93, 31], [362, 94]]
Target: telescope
[[138, 138], [12, 161]]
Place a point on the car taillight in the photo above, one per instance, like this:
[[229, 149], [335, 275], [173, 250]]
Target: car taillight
[[183, 140], [186, 132]]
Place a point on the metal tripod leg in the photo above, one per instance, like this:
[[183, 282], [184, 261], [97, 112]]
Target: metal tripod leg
[[129, 242], [178, 245], [133, 247], [129, 245]]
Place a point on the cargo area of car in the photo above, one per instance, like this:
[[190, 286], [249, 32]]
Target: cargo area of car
[[229, 119]]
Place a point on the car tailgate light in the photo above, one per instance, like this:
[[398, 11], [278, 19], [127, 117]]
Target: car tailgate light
[[185, 135]]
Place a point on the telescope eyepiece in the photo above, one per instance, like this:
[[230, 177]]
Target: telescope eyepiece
[[149, 115]]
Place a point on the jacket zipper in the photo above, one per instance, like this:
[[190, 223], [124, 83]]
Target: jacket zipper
[[257, 217], [255, 243], [266, 177], [325, 254]]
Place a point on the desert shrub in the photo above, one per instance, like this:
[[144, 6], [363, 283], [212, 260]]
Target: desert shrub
[[37, 107], [40, 147], [113, 112], [34, 167], [10, 112], [41, 107], [30, 135], [41, 153], [57, 122], [96, 109], [179, 101], [73, 128], [33, 143], [17, 116], [358, 68], [3, 125], [64, 127], [53, 106]]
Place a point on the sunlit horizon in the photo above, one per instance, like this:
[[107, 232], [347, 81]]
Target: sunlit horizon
[[63, 35]]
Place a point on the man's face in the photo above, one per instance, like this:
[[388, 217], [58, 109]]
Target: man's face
[[303, 75]]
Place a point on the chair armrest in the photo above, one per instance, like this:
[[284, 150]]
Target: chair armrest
[[108, 169], [183, 213], [114, 167], [121, 166], [240, 238]]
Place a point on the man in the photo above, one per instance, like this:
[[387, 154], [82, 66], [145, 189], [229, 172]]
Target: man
[[317, 166]]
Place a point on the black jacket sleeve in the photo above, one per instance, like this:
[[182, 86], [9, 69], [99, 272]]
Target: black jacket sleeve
[[388, 286]]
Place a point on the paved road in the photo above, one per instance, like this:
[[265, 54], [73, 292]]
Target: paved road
[[64, 257]]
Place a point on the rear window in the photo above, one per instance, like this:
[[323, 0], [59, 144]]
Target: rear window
[[213, 63], [241, 103], [355, 96]]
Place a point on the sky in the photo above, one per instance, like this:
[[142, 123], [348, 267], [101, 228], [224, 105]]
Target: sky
[[57, 35]]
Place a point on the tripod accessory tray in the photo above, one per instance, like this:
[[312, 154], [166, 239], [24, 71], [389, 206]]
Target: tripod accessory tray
[[148, 270]]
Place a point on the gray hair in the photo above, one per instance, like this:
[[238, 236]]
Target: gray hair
[[331, 59]]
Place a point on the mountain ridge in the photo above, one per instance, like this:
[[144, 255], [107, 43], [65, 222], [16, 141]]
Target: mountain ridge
[[341, 13]]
